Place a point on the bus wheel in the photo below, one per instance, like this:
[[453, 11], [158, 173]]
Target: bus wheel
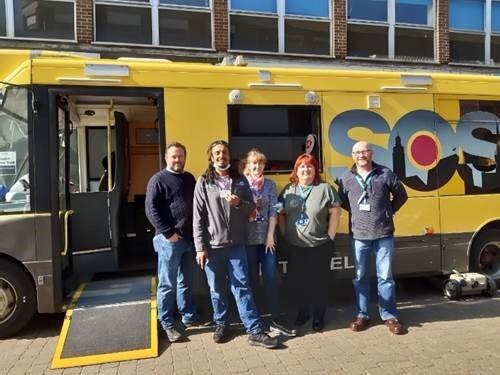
[[452, 289], [17, 298], [485, 254]]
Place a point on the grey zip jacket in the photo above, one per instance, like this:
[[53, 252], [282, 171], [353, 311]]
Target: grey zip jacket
[[386, 195], [216, 223]]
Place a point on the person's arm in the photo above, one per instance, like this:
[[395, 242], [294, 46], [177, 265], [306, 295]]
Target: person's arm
[[334, 211], [156, 208], [333, 221], [282, 213], [398, 191], [344, 200], [200, 223], [272, 217]]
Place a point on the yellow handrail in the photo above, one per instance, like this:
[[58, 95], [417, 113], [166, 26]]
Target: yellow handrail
[[66, 234]]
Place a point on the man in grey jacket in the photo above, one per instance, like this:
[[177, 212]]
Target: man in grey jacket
[[372, 194], [222, 203]]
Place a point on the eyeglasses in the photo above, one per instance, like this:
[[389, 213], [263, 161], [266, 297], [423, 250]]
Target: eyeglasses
[[361, 152]]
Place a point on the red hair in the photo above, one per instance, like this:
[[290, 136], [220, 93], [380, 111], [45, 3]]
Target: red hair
[[306, 159]]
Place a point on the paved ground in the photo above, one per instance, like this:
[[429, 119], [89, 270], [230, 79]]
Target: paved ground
[[444, 338]]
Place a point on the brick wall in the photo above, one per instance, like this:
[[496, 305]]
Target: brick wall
[[84, 21], [442, 41], [221, 31], [339, 28]]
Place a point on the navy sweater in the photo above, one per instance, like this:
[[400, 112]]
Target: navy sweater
[[386, 195], [169, 203]]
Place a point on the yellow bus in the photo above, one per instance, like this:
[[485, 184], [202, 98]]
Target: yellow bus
[[81, 136]]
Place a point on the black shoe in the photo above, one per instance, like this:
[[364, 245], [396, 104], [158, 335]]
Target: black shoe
[[173, 335], [318, 321], [318, 324], [220, 334], [191, 323], [264, 340], [302, 318], [276, 327]]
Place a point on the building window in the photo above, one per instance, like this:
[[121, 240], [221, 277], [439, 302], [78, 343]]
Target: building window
[[495, 32], [37, 19], [3, 20], [173, 23], [394, 29], [474, 30], [280, 131], [123, 24], [291, 26]]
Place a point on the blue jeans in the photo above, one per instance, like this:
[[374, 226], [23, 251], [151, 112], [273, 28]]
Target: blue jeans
[[175, 272], [231, 261], [383, 248], [260, 260]]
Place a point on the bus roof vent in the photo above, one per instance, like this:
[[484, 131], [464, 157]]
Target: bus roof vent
[[144, 59], [416, 80]]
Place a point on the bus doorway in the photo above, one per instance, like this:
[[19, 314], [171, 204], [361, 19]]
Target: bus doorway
[[108, 148]]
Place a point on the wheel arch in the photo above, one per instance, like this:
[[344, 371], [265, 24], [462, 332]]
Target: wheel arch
[[18, 263], [490, 224]]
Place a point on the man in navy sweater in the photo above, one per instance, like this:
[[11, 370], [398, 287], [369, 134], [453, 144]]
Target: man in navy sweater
[[169, 208], [372, 194]]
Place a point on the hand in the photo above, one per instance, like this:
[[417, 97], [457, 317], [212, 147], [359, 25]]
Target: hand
[[202, 258], [174, 238], [332, 235], [270, 245], [233, 199]]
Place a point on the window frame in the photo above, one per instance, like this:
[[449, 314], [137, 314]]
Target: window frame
[[155, 7], [10, 25], [391, 26], [487, 33], [281, 17], [30, 153]]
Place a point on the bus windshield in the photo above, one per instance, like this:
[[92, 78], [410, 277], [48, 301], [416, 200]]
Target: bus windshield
[[14, 160]]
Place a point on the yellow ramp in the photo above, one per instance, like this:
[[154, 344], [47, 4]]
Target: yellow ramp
[[109, 321]]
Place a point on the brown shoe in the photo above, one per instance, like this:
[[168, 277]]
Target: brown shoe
[[395, 326], [359, 324]]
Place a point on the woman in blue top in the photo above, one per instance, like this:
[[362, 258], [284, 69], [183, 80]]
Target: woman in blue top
[[261, 251]]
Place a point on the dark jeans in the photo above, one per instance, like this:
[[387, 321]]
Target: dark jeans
[[310, 271], [231, 262], [260, 261]]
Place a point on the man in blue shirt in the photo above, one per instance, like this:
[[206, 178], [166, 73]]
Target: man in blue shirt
[[169, 208]]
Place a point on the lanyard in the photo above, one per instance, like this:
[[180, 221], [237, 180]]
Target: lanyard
[[364, 185], [304, 193], [223, 183]]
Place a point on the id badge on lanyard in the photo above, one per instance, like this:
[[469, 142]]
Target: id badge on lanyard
[[363, 200]]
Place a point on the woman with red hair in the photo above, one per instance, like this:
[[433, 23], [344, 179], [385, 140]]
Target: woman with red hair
[[308, 223]]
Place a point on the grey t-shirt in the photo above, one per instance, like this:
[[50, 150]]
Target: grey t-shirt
[[314, 232]]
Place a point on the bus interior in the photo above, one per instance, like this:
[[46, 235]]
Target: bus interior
[[109, 147]]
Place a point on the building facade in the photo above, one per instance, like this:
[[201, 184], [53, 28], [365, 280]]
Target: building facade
[[415, 32]]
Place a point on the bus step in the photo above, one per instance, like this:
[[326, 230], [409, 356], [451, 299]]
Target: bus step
[[107, 321]]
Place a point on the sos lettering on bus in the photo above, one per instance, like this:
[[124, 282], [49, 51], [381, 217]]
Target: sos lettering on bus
[[423, 149]]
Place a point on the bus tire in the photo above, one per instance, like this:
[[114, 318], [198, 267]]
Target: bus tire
[[17, 298], [485, 254]]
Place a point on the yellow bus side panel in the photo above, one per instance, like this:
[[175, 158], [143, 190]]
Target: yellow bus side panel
[[468, 213]]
